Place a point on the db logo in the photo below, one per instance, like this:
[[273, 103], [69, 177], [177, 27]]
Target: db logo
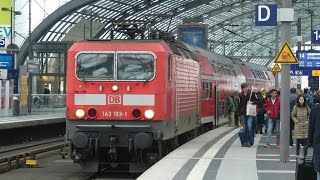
[[114, 99]]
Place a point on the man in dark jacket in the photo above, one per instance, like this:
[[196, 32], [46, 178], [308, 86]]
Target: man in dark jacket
[[308, 97], [314, 134], [261, 112], [247, 96], [293, 100]]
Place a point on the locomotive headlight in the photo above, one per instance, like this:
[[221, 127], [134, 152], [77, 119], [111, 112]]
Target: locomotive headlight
[[80, 113], [149, 114], [115, 88]]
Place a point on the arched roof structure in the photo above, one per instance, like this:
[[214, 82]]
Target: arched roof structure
[[232, 31]]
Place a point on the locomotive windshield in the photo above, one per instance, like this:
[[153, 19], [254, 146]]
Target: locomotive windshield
[[129, 66], [95, 66], [135, 66]]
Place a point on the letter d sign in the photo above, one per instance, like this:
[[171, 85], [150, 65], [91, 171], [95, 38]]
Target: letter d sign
[[266, 15]]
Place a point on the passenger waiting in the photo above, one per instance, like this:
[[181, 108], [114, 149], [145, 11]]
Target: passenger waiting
[[300, 116]]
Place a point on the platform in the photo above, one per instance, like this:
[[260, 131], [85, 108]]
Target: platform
[[218, 155], [31, 120]]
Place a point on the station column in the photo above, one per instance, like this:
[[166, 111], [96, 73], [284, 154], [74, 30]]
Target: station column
[[285, 27]]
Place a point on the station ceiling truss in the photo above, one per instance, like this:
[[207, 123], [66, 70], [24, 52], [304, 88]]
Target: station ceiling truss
[[232, 30]]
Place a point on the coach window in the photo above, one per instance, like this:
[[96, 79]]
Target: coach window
[[169, 68], [135, 66], [95, 66], [207, 90], [234, 73], [254, 74], [229, 72], [210, 90], [203, 89], [267, 76]]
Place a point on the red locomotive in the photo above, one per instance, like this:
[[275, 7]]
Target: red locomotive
[[129, 102]]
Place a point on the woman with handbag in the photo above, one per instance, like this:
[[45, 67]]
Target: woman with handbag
[[247, 99], [272, 107], [300, 116]]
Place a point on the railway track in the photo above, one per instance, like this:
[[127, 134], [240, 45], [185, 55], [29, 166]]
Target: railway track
[[15, 156], [111, 176]]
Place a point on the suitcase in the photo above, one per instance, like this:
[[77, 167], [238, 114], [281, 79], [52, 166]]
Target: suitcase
[[304, 167], [241, 136]]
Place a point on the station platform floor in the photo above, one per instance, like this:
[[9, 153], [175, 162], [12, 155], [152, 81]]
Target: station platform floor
[[10, 122], [218, 155]]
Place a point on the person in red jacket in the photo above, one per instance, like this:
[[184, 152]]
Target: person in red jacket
[[272, 107]]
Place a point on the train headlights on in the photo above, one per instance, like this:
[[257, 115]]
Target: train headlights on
[[80, 113], [149, 114], [115, 88]]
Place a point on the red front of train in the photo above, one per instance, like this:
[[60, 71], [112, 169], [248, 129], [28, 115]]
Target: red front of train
[[127, 98]]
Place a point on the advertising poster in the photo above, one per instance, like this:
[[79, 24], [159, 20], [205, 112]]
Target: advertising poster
[[5, 23]]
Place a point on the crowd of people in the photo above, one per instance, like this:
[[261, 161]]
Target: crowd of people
[[268, 113], [304, 117]]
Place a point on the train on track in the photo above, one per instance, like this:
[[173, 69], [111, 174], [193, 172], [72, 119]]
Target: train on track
[[130, 102]]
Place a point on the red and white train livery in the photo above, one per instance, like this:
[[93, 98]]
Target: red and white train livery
[[129, 102]]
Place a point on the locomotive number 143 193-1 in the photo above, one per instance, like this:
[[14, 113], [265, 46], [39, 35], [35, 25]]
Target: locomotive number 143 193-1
[[114, 114]]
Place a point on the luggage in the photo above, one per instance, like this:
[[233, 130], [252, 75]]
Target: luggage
[[304, 167], [242, 137]]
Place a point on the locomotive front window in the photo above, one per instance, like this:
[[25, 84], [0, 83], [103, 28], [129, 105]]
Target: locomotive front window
[[95, 66], [135, 66]]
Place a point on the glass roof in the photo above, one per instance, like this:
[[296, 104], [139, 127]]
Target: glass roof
[[232, 30]]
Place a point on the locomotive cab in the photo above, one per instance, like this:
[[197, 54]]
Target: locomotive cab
[[118, 103]]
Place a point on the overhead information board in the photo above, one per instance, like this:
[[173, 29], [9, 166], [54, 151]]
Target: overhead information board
[[296, 70], [6, 61], [308, 58], [194, 34]]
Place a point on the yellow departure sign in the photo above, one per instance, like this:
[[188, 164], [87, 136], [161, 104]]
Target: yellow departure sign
[[315, 72], [286, 56], [276, 68]]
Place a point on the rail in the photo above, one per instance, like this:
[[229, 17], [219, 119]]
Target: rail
[[15, 157]]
